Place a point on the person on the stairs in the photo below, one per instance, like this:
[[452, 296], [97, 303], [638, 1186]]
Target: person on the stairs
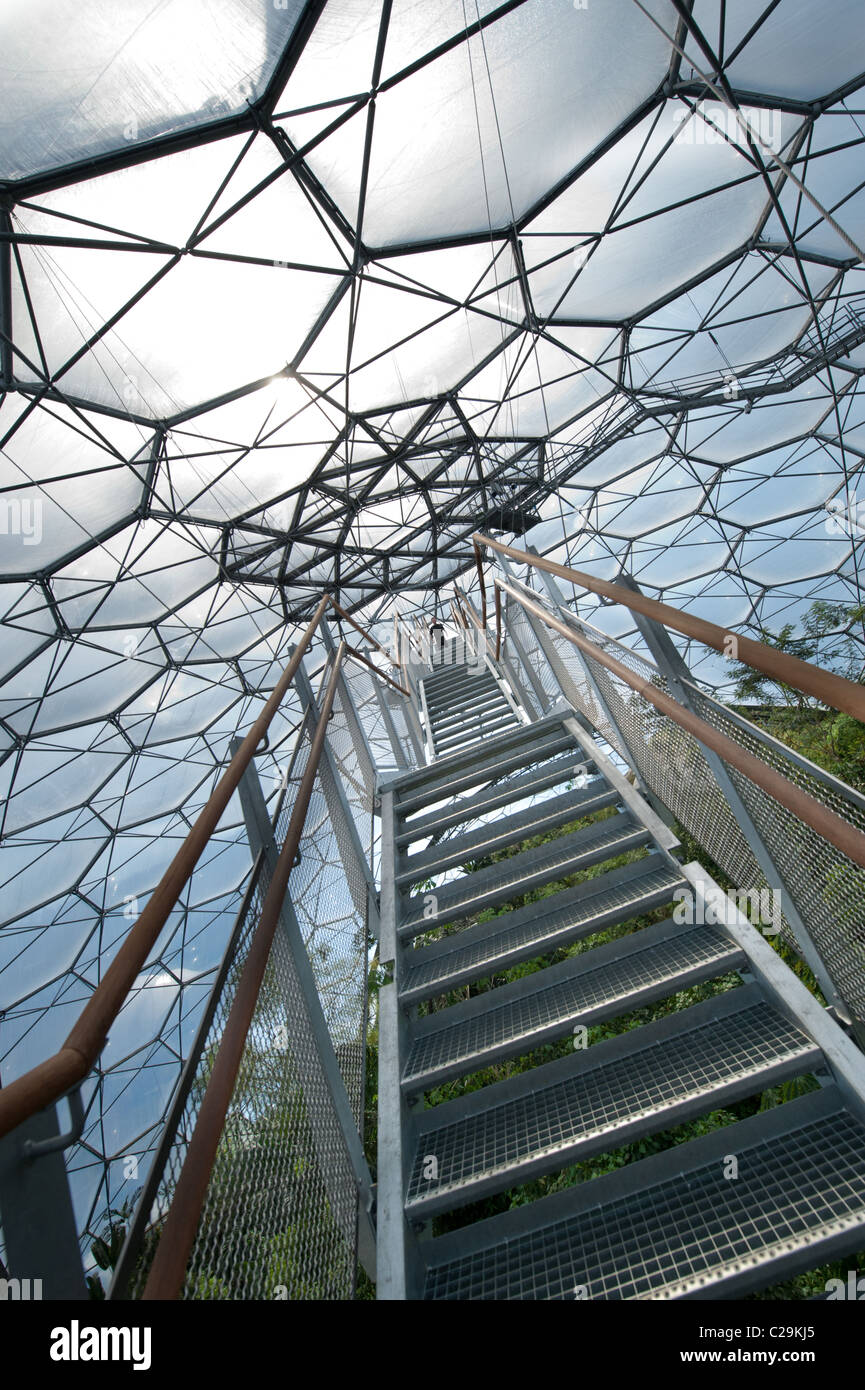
[[437, 627]]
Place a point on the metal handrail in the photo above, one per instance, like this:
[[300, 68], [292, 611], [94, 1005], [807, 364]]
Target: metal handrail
[[414, 644], [51, 1079], [792, 755], [825, 686], [167, 1272], [845, 837], [498, 623], [466, 603], [480, 568], [67, 1068]]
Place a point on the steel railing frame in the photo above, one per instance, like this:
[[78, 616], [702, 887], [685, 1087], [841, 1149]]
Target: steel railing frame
[[826, 823], [169, 1265], [672, 667], [836, 691], [45, 1083], [265, 853], [137, 1230]]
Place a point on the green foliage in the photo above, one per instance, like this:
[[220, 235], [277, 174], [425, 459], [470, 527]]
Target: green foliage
[[106, 1247], [831, 739], [108, 1244], [826, 641], [788, 1090]]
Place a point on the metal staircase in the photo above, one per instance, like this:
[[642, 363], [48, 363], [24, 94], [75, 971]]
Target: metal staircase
[[558, 990], [595, 913], [463, 703]]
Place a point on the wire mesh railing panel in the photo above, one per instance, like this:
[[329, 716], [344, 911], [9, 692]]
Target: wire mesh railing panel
[[520, 627], [280, 1213], [572, 674], [355, 759], [407, 753], [673, 765], [827, 887], [329, 894], [667, 758], [516, 676], [280, 1218], [360, 684], [160, 1185]]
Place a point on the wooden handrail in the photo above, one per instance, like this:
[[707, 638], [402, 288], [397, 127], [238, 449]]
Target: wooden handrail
[[845, 837], [468, 608], [52, 1078], [829, 689], [359, 656], [393, 659], [167, 1272]]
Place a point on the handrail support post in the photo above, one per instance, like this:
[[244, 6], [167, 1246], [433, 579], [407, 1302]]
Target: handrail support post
[[40, 1230]]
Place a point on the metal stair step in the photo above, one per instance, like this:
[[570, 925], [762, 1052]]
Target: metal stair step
[[521, 872], [651, 1078], [673, 1225], [539, 928], [518, 749], [449, 719], [441, 687], [538, 779], [476, 730], [603, 983], [449, 710], [461, 691], [467, 676], [441, 670], [544, 815], [475, 716], [452, 721], [472, 739], [479, 692]]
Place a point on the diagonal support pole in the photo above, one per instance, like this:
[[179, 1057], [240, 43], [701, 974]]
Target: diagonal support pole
[[342, 819]]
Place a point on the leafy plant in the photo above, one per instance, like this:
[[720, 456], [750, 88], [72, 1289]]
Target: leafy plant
[[826, 640]]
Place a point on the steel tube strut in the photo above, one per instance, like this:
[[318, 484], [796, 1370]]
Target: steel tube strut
[[337, 608], [355, 655]]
